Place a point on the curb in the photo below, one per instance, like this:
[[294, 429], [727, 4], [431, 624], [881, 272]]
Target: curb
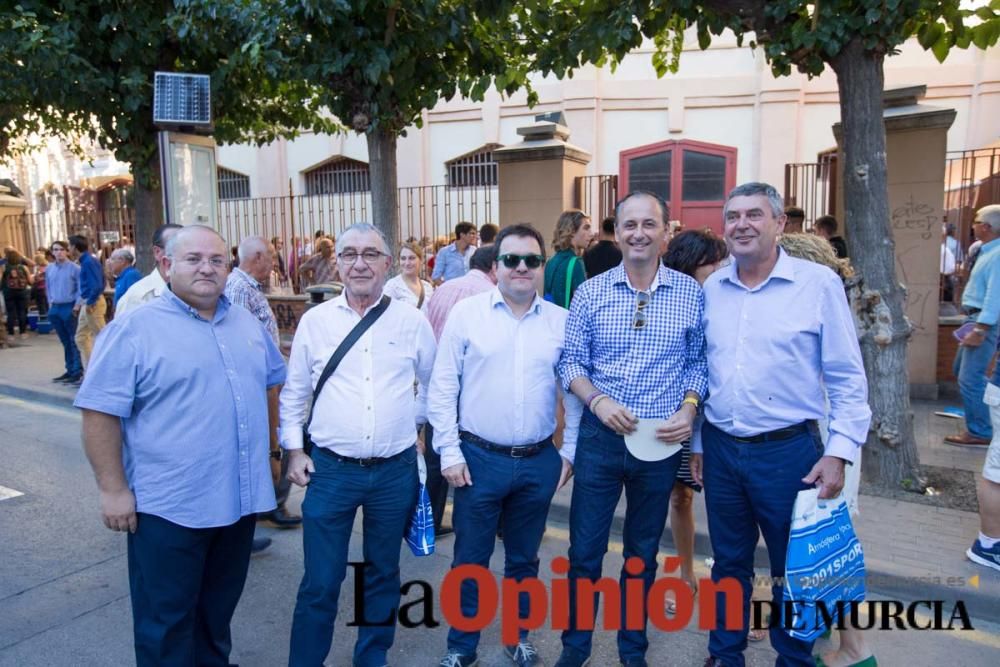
[[30, 394], [982, 602]]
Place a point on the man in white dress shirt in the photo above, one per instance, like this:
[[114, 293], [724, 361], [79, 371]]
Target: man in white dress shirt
[[497, 362], [364, 431], [155, 282]]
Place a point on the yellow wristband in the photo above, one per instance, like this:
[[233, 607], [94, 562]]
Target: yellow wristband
[[690, 399]]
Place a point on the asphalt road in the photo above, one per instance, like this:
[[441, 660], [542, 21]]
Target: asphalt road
[[64, 591]]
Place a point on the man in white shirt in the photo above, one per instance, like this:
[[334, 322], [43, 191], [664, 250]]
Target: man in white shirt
[[364, 431], [497, 363], [153, 284]]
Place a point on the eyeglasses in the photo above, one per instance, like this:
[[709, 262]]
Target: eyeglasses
[[351, 256], [642, 300], [195, 261], [513, 261]]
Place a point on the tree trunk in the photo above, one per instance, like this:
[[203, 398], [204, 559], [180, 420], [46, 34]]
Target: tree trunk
[[385, 193], [890, 453], [148, 213]]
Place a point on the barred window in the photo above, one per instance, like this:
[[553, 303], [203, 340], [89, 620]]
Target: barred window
[[473, 169], [233, 184], [338, 176]]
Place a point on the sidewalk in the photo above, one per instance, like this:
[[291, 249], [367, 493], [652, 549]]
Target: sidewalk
[[912, 551]]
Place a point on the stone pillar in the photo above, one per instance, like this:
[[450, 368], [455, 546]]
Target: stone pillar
[[537, 177], [916, 145]]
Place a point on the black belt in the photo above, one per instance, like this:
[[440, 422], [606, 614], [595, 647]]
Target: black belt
[[518, 452], [770, 436], [364, 463]]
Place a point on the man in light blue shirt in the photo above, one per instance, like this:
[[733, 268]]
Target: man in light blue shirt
[[497, 449], [175, 426], [981, 304], [62, 289], [452, 261], [781, 342]]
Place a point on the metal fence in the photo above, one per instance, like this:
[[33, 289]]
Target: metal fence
[[812, 186], [39, 230], [424, 212], [597, 195], [971, 181]]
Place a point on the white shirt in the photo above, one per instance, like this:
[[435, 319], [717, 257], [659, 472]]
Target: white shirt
[[145, 290], [398, 290], [501, 373], [367, 408]]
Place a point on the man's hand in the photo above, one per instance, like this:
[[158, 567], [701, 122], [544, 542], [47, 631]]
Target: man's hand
[[615, 416], [695, 466], [76, 309], [300, 466], [678, 427], [974, 338], [828, 475], [567, 472], [118, 510], [457, 475]]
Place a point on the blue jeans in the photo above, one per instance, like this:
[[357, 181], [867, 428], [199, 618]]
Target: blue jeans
[[520, 488], [603, 467], [751, 487], [387, 494], [970, 369], [185, 584], [64, 322]]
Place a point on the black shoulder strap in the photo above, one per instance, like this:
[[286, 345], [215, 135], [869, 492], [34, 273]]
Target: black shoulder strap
[[345, 345]]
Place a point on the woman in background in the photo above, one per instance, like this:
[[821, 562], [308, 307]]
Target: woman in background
[[564, 271], [407, 286]]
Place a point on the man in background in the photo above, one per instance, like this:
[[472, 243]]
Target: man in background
[[153, 285], [604, 254]]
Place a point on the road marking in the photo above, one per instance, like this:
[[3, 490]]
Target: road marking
[[7, 494], [40, 408]]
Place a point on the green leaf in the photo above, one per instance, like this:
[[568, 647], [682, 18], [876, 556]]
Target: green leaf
[[941, 48], [929, 34]]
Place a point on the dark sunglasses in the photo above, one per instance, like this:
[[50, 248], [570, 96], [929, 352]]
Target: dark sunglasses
[[642, 300], [514, 261]]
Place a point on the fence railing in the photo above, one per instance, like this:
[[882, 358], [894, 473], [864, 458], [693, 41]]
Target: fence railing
[[597, 195], [39, 230], [812, 186], [424, 212], [971, 181]]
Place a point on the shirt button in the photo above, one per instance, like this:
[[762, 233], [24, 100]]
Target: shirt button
[[368, 437], [367, 379]]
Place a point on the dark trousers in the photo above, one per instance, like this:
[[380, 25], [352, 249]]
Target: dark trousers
[[386, 493], [64, 322], [17, 309], [522, 489], [603, 467], [437, 487], [185, 583], [750, 489], [41, 301]]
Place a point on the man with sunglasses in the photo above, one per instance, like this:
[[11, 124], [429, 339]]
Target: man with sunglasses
[[364, 428], [497, 362], [635, 349], [781, 345]]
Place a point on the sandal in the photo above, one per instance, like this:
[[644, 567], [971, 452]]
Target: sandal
[[757, 635]]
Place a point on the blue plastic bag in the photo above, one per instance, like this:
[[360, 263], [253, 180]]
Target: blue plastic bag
[[420, 530], [824, 565]]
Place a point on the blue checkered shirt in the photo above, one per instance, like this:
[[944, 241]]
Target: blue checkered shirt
[[647, 370]]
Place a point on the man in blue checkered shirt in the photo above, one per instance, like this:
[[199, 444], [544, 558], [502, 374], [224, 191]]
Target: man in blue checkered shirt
[[635, 349]]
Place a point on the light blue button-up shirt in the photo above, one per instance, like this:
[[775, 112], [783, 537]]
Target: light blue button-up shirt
[[62, 282], [450, 263], [983, 290], [192, 399], [778, 350]]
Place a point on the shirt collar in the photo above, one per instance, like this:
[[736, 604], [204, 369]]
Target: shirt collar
[[995, 243], [243, 275], [340, 301], [496, 299], [784, 269], [220, 310], [661, 279]]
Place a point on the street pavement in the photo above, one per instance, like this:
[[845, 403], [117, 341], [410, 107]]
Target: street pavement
[[64, 590]]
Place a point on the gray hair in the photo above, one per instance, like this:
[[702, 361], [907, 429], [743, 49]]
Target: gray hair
[[363, 228], [991, 216], [184, 231], [124, 253], [250, 246], [752, 189]]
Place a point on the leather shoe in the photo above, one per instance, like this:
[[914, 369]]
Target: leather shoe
[[711, 661], [259, 544], [443, 530], [966, 439], [281, 518], [62, 378]]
